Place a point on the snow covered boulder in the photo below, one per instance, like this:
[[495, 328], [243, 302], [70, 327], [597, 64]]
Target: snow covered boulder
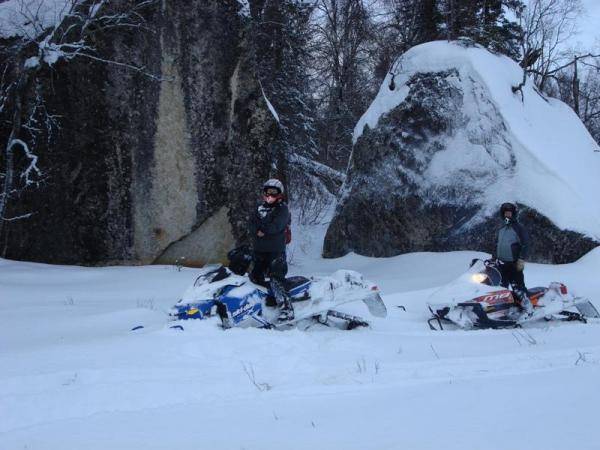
[[445, 142]]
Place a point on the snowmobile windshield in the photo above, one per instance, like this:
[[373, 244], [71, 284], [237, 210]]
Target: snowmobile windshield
[[494, 277], [486, 272], [211, 273], [474, 282], [208, 285]]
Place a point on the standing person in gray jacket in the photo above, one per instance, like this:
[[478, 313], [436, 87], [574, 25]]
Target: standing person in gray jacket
[[511, 248], [268, 226]]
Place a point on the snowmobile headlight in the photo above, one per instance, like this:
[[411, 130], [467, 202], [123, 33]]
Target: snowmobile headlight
[[479, 277]]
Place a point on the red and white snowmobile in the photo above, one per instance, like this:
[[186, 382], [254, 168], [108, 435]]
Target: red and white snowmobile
[[477, 299]]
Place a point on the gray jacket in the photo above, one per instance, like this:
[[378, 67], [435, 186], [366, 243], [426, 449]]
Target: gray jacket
[[512, 243]]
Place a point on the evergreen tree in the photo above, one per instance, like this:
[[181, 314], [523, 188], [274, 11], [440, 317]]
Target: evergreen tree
[[407, 23], [280, 37], [485, 22]]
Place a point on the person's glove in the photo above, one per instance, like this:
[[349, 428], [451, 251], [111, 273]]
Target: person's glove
[[520, 265]]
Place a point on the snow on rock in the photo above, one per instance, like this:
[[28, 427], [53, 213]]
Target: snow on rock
[[435, 156]]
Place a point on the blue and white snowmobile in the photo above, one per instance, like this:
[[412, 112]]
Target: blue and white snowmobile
[[238, 302]]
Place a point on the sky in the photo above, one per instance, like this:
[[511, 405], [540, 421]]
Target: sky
[[590, 24], [588, 36]]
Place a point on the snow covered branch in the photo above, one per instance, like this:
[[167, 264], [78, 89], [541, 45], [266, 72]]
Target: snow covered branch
[[21, 217], [141, 69], [33, 159], [62, 29]]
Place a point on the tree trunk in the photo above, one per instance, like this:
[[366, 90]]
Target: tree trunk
[[452, 31], [575, 87]]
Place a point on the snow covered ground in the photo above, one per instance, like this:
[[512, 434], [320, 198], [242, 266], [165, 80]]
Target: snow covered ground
[[73, 375]]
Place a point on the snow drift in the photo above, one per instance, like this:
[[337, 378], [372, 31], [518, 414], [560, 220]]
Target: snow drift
[[73, 376], [446, 141]]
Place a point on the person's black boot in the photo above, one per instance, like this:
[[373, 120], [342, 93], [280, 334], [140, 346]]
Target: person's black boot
[[525, 303], [286, 312]]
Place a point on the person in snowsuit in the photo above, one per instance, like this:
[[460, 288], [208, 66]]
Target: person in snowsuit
[[268, 226], [511, 248]]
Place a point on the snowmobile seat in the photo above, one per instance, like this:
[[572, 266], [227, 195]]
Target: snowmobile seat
[[536, 292], [295, 286]]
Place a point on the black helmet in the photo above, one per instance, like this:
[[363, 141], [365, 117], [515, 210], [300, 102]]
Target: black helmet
[[508, 207], [240, 259]]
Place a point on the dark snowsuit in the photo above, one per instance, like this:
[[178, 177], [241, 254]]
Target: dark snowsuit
[[512, 245], [269, 250]]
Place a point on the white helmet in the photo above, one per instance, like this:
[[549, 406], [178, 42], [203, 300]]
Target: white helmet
[[273, 183]]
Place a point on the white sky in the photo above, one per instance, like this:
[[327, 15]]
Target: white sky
[[589, 34]]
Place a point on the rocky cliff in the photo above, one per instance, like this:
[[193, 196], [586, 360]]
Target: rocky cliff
[[154, 165]]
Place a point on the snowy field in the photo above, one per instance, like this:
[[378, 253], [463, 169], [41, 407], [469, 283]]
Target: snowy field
[[73, 375]]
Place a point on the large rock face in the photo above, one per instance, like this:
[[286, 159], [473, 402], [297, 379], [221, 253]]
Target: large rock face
[[140, 166], [435, 156]]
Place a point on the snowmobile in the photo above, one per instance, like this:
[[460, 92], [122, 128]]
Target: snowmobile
[[488, 304], [238, 302]]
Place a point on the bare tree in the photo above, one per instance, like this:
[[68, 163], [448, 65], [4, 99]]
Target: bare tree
[[342, 58], [547, 25], [556, 69], [38, 35], [578, 85], [589, 99]]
